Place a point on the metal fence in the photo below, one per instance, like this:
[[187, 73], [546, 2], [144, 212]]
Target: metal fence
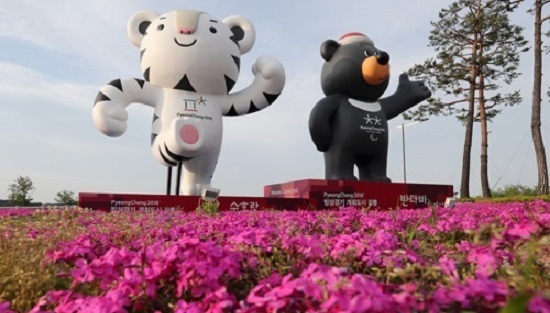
[[42, 207]]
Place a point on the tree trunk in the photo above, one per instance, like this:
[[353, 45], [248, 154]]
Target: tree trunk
[[485, 189], [469, 124], [542, 185]]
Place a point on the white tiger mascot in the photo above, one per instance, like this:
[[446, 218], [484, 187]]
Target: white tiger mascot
[[190, 61]]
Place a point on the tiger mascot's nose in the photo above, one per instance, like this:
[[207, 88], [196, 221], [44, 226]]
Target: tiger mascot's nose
[[187, 30], [187, 21]]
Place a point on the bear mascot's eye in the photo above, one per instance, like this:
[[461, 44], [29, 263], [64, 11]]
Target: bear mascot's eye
[[368, 53], [213, 30], [160, 27]]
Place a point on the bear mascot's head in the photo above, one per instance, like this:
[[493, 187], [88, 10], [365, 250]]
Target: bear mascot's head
[[355, 67]]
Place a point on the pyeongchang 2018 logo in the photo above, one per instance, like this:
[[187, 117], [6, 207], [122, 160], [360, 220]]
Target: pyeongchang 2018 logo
[[191, 107], [286, 192]]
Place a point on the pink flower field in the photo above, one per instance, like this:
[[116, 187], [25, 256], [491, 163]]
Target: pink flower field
[[477, 257]]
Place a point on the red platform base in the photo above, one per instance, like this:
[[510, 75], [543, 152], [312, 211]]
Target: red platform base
[[326, 194], [150, 203], [307, 194]]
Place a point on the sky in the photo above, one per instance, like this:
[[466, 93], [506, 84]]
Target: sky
[[55, 55]]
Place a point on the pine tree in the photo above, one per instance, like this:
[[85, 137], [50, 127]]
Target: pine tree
[[476, 48], [540, 152]]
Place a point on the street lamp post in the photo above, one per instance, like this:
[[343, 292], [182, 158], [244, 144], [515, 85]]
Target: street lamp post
[[402, 126]]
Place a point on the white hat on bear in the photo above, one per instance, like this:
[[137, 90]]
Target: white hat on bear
[[355, 37]]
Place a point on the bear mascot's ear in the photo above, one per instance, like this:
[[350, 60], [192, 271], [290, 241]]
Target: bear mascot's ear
[[328, 49], [137, 25], [243, 31]]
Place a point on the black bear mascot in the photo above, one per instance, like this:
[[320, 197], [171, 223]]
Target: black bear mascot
[[350, 125]]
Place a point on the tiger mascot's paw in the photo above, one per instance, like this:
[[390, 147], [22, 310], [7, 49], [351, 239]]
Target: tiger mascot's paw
[[110, 119], [271, 70]]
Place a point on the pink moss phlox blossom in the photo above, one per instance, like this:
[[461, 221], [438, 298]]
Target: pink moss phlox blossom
[[492, 292], [202, 259], [343, 244], [39, 306], [33, 233], [374, 250], [368, 296], [522, 230], [63, 300], [219, 301], [183, 306], [539, 304], [309, 247], [202, 264], [543, 218], [82, 272], [17, 212], [152, 274], [99, 304], [486, 259], [427, 228], [84, 246], [406, 300], [5, 307], [448, 267], [474, 293], [444, 297], [321, 288], [252, 237]]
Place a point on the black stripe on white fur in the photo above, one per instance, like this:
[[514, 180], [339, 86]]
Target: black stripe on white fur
[[117, 83], [229, 83], [166, 160], [179, 158], [184, 84], [270, 98], [237, 61], [101, 97]]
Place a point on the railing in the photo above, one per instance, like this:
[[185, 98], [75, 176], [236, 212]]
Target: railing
[[41, 207]]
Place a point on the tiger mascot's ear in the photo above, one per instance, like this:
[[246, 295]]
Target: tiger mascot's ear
[[137, 25], [243, 32]]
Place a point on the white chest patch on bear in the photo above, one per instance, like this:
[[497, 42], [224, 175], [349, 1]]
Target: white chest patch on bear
[[366, 106]]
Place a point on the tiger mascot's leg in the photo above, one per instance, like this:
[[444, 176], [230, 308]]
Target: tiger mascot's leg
[[198, 172], [180, 142]]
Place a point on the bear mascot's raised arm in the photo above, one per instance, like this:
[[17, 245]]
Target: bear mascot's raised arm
[[350, 124], [190, 61]]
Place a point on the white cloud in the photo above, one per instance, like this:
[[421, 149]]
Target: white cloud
[[92, 30], [27, 85]]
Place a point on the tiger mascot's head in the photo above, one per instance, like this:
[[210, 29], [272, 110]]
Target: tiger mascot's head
[[191, 50]]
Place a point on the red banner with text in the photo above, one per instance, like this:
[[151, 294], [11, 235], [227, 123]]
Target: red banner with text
[[304, 194]]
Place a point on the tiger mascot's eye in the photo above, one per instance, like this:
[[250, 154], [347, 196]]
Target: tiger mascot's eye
[[213, 30], [160, 27]]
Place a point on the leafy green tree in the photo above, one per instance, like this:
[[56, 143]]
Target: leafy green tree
[[66, 197], [514, 190], [19, 193], [476, 48]]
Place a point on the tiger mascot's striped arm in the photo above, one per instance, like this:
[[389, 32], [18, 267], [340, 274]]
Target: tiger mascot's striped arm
[[109, 110], [269, 81]]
